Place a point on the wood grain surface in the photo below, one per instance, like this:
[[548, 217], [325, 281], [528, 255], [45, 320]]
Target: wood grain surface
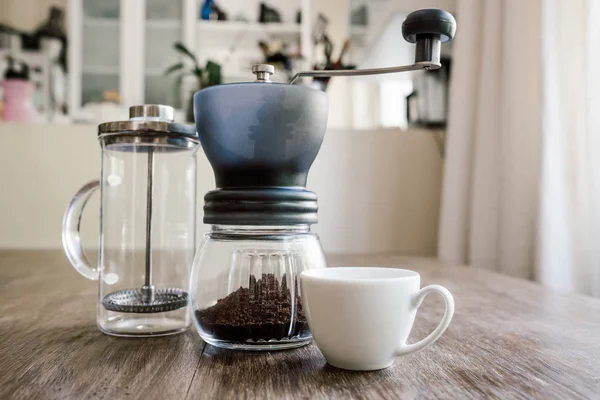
[[510, 339]]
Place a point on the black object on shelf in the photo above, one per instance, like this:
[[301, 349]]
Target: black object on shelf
[[221, 15], [52, 28], [16, 70], [321, 83], [279, 58], [268, 14], [211, 11]]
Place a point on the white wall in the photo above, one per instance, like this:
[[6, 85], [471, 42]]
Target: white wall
[[27, 14], [378, 191]]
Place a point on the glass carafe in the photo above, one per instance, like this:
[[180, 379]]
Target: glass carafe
[[147, 224], [244, 289]]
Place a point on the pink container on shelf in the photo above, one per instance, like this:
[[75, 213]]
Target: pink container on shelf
[[18, 100]]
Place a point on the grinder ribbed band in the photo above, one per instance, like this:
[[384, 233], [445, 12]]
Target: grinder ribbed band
[[260, 206]]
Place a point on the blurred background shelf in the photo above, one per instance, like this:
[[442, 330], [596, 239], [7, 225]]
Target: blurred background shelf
[[248, 27], [125, 46], [99, 22], [173, 24], [100, 70]]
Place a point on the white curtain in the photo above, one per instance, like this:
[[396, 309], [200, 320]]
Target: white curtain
[[569, 229], [519, 185]]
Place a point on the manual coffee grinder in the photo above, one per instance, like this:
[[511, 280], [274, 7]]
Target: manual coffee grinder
[[261, 139]]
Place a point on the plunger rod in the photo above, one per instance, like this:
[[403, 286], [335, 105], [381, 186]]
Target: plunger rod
[[148, 288]]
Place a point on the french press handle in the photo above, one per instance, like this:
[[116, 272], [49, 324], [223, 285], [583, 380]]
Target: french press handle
[[71, 236], [427, 29]]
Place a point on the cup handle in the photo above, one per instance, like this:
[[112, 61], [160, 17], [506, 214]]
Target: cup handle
[[71, 237], [437, 332]]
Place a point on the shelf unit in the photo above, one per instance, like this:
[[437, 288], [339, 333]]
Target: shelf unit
[[249, 27], [234, 44], [100, 70], [164, 24], [126, 45], [98, 22]]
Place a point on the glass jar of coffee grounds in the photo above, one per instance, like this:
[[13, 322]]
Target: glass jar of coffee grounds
[[245, 286]]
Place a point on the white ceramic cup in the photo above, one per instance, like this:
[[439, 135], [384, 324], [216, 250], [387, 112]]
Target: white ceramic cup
[[360, 317]]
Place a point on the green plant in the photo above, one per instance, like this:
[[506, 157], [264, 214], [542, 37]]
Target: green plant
[[208, 76]]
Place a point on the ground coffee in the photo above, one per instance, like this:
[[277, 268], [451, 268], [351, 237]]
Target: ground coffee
[[261, 311]]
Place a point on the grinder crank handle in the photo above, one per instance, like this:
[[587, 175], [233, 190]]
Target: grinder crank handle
[[426, 28]]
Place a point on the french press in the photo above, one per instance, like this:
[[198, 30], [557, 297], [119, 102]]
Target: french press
[[261, 139], [147, 223]]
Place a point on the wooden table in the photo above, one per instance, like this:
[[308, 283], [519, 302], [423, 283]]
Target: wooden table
[[509, 339]]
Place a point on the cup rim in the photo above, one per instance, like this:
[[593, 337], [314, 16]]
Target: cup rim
[[357, 274]]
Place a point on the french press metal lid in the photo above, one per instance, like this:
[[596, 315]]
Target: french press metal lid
[[150, 124]]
